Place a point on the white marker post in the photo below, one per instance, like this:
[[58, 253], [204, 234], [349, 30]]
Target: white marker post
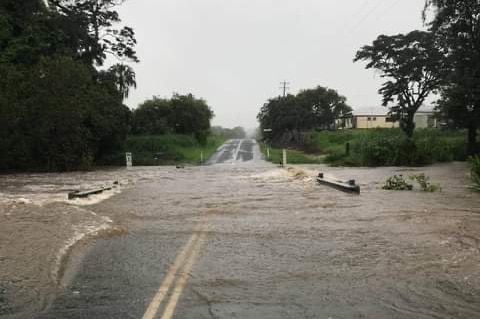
[[128, 158], [201, 157], [268, 152], [284, 162]]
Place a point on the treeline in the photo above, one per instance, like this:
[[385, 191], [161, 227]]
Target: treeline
[[229, 133], [445, 59], [181, 114], [59, 110], [308, 110]]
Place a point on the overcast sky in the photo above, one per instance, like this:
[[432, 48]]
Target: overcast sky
[[235, 53]]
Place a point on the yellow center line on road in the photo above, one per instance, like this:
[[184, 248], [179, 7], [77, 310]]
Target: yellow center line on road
[[152, 309], [182, 281]]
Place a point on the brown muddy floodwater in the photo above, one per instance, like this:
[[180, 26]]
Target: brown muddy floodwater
[[277, 238]]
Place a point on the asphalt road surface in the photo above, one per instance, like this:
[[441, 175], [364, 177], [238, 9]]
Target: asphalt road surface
[[242, 238], [235, 151]]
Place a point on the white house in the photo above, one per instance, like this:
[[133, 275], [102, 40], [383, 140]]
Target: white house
[[378, 118]]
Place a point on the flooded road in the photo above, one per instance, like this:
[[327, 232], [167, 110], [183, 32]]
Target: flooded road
[[240, 238]]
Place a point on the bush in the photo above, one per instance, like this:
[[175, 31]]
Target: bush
[[376, 151], [398, 183], [424, 183]]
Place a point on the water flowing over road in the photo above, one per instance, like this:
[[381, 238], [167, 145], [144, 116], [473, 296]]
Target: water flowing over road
[[242, 238], [237, 151]]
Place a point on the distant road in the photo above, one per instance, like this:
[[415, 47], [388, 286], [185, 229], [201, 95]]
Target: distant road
[[236, 151]]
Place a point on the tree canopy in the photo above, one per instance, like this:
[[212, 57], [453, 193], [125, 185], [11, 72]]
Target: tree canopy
[[57, 111], [92, 32], [182, 114], [309, 109], [229, 133], [457, 26]]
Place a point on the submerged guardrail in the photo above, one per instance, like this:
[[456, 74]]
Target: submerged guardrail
[[84, 194], [349, 186]]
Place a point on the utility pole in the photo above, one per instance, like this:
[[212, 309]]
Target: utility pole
[[285, 87]]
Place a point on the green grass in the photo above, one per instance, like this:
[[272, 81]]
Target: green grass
[[379, 147], [167, 150], [389, 147], [293, 156]]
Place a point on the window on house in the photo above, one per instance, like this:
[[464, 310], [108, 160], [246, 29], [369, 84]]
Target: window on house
[[369, 118], [374, 118]]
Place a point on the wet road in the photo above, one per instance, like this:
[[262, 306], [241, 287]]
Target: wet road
[[249, 240], [236, 151]]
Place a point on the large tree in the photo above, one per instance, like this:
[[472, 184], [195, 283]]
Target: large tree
[[412, 65], [457, 25], [57, 111], [151, 117], [93, 26], [190, 115], [53, 116], [308, 110], [27, 31], [182, 114], [325, 104], [280, 115]]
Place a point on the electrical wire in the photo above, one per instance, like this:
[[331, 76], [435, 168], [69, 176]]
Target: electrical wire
[[366, 16]]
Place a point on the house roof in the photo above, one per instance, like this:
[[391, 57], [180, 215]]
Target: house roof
[[371, 111], [383, 111]]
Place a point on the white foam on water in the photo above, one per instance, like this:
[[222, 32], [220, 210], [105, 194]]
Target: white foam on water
[[22, 200], [283, 175], [93, 199], [43, 198], [278, 174], [79, 233], [301, 174]]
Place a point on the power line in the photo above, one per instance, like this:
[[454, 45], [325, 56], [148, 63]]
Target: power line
[[358, 10], [354, 14], [393, 5], [367, 15]]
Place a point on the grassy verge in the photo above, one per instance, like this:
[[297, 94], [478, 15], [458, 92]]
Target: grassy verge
[[167, 150], [389, 147], [293, 156], [378, 147]]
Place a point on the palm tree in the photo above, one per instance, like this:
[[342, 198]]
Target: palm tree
[[124, 78]]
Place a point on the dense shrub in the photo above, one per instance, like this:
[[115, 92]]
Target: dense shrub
[[397, 183], [424, 183], [389, 147], [54, 116]]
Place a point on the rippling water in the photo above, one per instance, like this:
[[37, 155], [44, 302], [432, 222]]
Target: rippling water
[[383, 253]]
